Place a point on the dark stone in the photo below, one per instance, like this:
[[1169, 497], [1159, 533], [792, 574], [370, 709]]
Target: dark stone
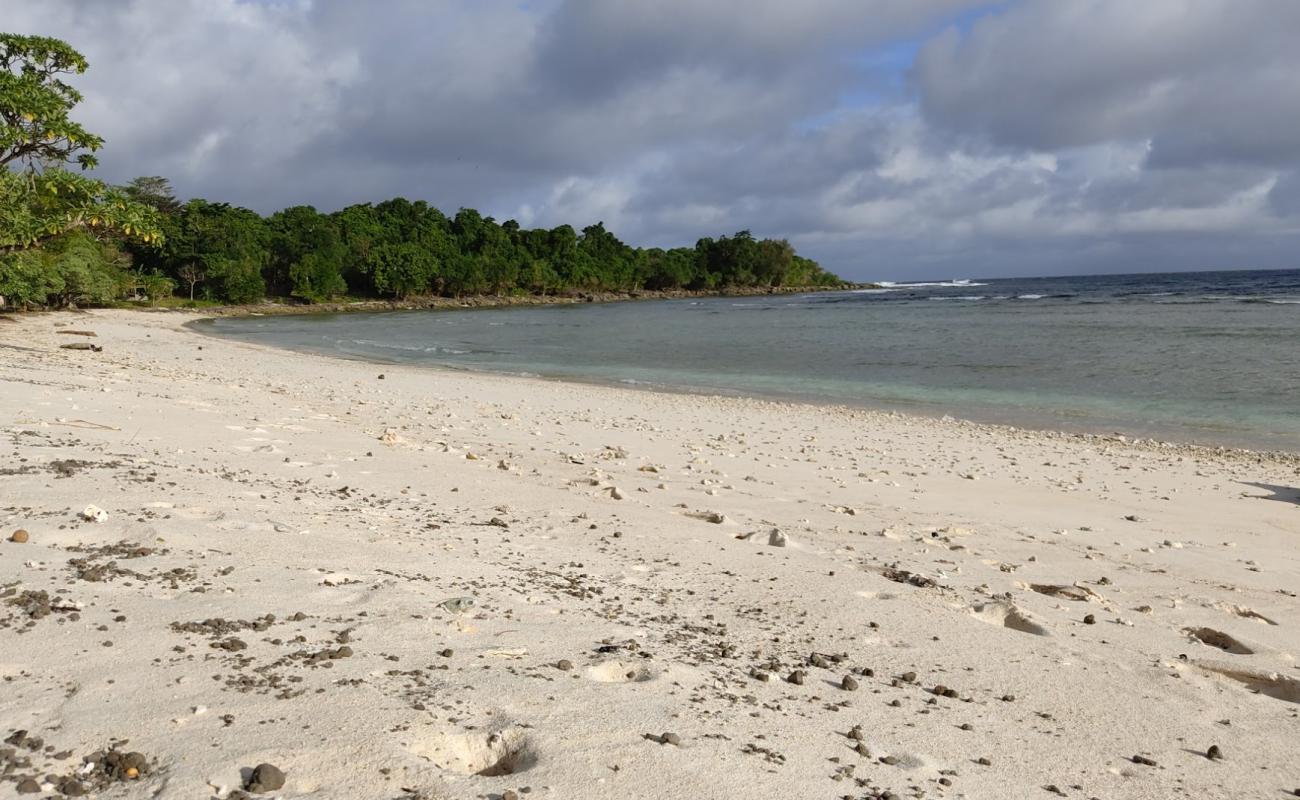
[[265, 778]]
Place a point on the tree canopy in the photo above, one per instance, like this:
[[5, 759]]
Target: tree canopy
[[39, 197]]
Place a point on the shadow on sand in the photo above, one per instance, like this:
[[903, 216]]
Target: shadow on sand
[[1283, 494]]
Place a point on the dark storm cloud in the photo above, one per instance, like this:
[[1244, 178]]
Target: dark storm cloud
[[1029, 136]]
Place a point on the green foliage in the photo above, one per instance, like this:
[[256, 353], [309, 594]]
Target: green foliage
[[316, 278], [39, 198], [402, 269], [35, 102], [75, 270], [235, 280]]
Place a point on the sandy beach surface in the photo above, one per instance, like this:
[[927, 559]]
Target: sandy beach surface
[[393, 582]]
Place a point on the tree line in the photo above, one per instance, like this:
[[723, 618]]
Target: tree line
[[66, 238]]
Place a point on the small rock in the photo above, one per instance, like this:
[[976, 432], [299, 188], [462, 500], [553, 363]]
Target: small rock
[[458, 605], [777, 539], [564, 665], [265, 778], [94, 514], [1090, 619], [797, 677], [1214, 753], [19, 536], [447, 652], [983, 762], [28, 786], [616, 493], [848, 684], [670, 738], [1143, 760], [510, 794]]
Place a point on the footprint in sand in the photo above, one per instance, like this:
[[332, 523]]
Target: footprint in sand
[[620, 672], [1220, 640], [1008, 616], [1245, 613], [487, 754], [1074, 592], [1265, 682]]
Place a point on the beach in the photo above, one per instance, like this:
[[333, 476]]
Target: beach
[[393, 581]]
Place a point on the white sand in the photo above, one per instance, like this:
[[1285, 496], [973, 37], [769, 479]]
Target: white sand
[[232, 461]]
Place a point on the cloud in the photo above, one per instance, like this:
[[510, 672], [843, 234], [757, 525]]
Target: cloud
[[887, 138], [1211, 81]]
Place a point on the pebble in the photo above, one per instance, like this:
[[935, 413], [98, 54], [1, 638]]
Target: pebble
[[862, 750], [28, 786], [1090, 620], [19, 536], [447, 653], [564, 665], [265, 778], [1214, 753], [510, 794], [983, 762], [776, 538], [1144, 760], [670, 738], [909, 677], [797, 677], [856, 733], [849, 684]]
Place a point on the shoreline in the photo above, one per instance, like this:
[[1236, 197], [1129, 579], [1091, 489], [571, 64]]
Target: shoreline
[[436, 303], [289, 540], [1161, 439]]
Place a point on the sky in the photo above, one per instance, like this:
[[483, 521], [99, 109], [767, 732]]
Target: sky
[[888, 139]]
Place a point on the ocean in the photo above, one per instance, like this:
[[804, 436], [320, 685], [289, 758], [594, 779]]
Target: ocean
[[1205, 357]]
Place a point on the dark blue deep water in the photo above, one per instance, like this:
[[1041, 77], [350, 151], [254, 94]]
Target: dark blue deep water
[[1210, 357]]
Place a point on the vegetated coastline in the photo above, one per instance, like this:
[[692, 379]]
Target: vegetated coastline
[[287, 306]]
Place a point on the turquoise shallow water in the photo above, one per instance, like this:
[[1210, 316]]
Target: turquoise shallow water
[[1205, 357]]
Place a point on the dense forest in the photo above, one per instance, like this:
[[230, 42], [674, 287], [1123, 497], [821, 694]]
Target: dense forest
[[66, 238]]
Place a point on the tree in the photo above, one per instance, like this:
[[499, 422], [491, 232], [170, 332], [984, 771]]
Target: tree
[[155, 191], [39, 198], [307, 255], [402, 269], [192, 274]]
